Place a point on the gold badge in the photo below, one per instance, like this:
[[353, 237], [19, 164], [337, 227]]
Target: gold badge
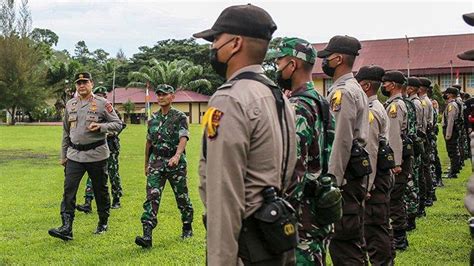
[[336, 101], [393, 111], [289, 229], [81, 76], [73, 124], [365, 163], [211, 121], [371, 117]]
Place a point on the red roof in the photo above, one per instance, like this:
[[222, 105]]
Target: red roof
[[137, 95], [428, 55]]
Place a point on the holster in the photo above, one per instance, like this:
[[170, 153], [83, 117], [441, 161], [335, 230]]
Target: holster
[[359, 163], [385, 157]]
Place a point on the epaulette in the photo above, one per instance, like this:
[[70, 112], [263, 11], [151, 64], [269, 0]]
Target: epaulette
[[227, 85]]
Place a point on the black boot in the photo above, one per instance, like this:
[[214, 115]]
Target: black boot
[[65, 231], [115, 203], [145, 241], [187, 231], [101, 226], [400, 239], [428, 202], [411, 222], [421, 210], [86, 207]]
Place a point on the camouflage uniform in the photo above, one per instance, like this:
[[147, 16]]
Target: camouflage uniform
[[113, 142], [164, 132], [313, 242]]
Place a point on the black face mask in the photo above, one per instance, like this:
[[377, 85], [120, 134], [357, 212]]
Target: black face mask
[[384, 91], [327, 69], [219, 67], [445, 96], [285, 84]]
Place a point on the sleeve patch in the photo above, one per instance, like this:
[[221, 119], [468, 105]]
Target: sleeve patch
[[336, 101], [109, 108], [393, 110], [211, 121]]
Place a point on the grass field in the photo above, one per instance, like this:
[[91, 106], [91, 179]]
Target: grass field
[[31, 183]]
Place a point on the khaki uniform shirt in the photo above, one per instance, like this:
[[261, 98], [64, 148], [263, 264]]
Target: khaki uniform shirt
[[419, 112], [397, 115], [349, 105], [427, 112], [244, 155], [450, 115], [378, 128], [79, 114]]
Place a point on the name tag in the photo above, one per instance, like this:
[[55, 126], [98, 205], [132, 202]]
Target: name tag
[[92, 118]]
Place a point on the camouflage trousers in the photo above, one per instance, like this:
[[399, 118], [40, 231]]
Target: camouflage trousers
[[113, 176], [311, 252], [156, 181], [411, 197]]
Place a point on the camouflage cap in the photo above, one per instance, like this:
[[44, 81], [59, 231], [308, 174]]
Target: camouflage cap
[[100, 89], [164, 88], [291, 46]]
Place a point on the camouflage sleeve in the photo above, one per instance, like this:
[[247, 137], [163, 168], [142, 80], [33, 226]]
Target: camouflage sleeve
[[65, 139], [148, 135], [183, 127]]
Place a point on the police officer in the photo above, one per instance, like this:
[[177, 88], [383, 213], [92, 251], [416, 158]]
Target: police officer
[[113, 142], [429, 125], [295, 59], [451, 130], [349, 105], [393, 82], [416, 188], [377, 230], [244, 147], [88, 118], [165, 160]]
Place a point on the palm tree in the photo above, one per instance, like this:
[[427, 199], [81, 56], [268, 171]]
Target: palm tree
[[181, 74]]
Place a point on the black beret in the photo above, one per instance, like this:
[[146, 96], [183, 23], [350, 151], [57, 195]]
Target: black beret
[[424, 82], [469, 18], [457, 86], [451, 90], [374, 73], [395, 76], [413, 82], [341, 44], [246, 20]]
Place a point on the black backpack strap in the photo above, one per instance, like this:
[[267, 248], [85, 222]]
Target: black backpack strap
[[280, 103], [323, 107]]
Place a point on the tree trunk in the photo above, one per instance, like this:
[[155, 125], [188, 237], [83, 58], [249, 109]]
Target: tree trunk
[[12, 114]]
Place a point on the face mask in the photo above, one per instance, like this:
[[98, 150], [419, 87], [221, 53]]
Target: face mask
[[384, 91], [284, 84], [326, 68], [445, 96], [219, 67]]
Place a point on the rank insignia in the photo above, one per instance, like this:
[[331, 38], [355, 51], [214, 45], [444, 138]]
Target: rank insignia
[[336, 101], [108, 107], [393, 111], [211, 121], [450, 108]]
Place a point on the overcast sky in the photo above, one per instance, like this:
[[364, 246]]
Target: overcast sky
[[112, 25]]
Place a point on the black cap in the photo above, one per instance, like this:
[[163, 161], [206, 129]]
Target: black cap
[[451, 90], [341, 44], [413, 82], [246, 20], [395, 76], [82, 76], [467, 55], [425, 82], [457, 86], [469, 18], [374, 73]]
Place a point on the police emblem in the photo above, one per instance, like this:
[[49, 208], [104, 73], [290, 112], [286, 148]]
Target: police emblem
[[211, 121], [336, 101], [393, 111]]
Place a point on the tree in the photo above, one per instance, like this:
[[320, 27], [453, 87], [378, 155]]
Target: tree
[[128, 107], [60, 77], [181, 74], [81, 53], [45, 36]]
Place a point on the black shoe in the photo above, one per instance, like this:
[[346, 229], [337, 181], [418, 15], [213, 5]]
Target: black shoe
[[187, 231], [411, 223], [428, 203], [440, 183], [63, 232], [115, 203], [86, 207], [146, 240], [400, 240], [101, 228], [421, 213]]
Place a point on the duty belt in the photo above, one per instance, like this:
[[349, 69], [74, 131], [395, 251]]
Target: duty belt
[[86, 147], [164, 152]]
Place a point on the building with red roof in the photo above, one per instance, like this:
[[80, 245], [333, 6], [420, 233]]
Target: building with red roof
[[193, 104], [434, 57]]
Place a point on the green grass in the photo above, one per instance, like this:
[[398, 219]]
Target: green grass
[[31, 183]]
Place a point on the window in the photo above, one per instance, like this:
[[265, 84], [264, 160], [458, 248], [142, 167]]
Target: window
[[445, 82], [469, 80]]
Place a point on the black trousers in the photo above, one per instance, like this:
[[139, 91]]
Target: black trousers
[[97, 171], [452, 147]]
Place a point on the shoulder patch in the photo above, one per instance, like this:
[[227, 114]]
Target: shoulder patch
[[336, 101], [371, 117], [423, 103], [393, 110], [211, 121], [450, 108], [109, 107]]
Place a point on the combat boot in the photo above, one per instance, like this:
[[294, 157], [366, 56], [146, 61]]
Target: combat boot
[[428, 202], [86, 207], [400, 240], [63, 232], [411, 223], [145, 241], [115, 203], [101, 226], [187, 231]]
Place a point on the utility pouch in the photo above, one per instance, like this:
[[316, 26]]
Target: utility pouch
[[385, 156], [359, 163], [408, 149]]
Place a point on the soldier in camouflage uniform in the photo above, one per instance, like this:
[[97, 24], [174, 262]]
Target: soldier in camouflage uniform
[[295, 60], [435, 161], [412, 195], [165, 160], [463, 148], [113, 142]]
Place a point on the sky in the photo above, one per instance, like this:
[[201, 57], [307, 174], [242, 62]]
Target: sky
[[127, 25]]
